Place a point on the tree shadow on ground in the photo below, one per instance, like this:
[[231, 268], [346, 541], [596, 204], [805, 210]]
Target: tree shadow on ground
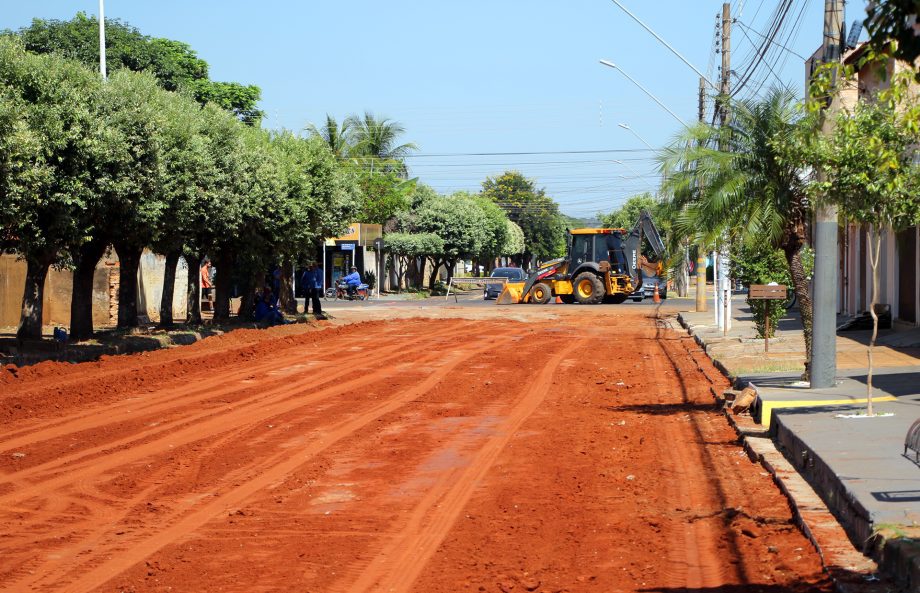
[[104, 343], [663, 409], [744, 588]]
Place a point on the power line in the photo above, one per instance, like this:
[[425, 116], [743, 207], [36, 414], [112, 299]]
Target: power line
[[456, 154], [780, 45]]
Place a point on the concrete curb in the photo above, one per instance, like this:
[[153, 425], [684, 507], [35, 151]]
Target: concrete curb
[[849, 569]]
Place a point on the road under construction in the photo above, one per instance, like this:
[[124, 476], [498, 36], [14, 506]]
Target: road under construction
[[517, 449]]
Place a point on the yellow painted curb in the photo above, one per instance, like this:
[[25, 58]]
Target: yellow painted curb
[[767, 407]]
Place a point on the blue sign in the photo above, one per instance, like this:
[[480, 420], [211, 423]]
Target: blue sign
[[347, 246]]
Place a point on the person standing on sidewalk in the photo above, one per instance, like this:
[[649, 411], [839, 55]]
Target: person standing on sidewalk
[[313, 281], [207, 287]]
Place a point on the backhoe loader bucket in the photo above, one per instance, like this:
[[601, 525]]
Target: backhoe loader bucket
[[512, 293]]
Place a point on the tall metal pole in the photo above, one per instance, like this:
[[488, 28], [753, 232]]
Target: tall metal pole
[[823, 363], [610, 64], [724, 117], [102, 69], [701, 249]]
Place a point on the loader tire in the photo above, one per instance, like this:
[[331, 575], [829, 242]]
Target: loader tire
[[589, 290], [541, 293]]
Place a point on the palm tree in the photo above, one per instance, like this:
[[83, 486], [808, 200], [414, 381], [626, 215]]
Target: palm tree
[[745, 190], [339, 139], [376, 141]]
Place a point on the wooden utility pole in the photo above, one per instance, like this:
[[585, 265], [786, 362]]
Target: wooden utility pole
[[700, 249], [701, 106], [822, 369], [725, 88]]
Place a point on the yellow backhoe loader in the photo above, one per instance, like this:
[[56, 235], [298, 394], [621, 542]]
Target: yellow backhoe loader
[[601, 265]]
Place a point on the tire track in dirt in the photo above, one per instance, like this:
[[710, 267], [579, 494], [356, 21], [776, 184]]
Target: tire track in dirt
[[240, 417], [400, 562], [84, 484], [697, 563], [166, 396], [739, 527], [97, 566], [85, 457]]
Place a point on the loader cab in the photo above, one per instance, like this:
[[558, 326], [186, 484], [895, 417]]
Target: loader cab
[[597, 245]]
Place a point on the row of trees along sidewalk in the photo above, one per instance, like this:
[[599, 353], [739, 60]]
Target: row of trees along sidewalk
[[162, 157], [87, 164]]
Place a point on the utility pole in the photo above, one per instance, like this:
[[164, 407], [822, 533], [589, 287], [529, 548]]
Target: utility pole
[[722, 284], [822, 369], [700, 250], [102, 40]]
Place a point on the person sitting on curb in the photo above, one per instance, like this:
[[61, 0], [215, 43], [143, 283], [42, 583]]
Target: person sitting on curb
[[266, 308]]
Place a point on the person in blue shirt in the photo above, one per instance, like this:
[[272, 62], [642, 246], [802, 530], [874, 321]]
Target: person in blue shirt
[[267, 309], [352, 280], [313, 283]]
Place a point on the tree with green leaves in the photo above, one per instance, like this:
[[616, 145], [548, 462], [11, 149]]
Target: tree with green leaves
[[376, 143], [495, 232], [532, 210], [870, 170], [381, 194], [754, 264], [625, 216], [514, 240], [258, 192], [175, 64], [337, 137], [460, 223], [409, 251], [317, 200], [893, 30], [188, 174], [748, 190], [132, 176], [51, 128]]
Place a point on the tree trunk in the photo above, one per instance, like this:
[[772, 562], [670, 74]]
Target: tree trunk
[[169, 286], [873, 261], [399, 269], [682, 282], [803, 295], [81, 297], [247, 304], [286, 301], [222, 286], [33, 294], [451, 266], [129, 258], [433, 276], [193, 306]]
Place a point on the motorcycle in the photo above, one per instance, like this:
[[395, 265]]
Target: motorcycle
[[340, 292]]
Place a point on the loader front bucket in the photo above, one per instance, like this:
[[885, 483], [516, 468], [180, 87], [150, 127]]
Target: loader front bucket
[[511, 294]]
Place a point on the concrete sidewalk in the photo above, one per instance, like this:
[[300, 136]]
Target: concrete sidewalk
[[855, 463]]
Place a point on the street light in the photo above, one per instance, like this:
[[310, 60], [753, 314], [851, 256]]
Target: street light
[[610, 64], [102, 39], [636, 134], [628, 166], [666, 44]]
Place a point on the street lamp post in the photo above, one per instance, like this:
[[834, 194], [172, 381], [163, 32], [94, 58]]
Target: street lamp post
[[630, 167], [636, 134], [102, 39], [610, 64]]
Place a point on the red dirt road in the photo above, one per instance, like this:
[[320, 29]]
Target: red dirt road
[[424, 455]]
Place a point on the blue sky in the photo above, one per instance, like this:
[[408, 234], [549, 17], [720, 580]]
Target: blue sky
[[478, 83]]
